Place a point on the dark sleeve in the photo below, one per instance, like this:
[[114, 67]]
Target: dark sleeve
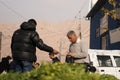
[[12, 40], [40, 44], [11, 43]]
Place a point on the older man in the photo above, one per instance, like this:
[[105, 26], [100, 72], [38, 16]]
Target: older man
[[77, 49]]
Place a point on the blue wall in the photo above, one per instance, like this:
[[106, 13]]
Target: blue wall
[[95, 43]]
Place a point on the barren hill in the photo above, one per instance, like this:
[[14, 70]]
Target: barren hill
[[53, 34]]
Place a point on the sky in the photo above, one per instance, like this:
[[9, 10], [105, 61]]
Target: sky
[[49, 10]]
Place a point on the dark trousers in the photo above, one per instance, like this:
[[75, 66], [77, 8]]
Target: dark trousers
[[22, 66], [69, 59]]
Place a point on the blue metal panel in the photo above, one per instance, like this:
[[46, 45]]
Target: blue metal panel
[[95, 43]]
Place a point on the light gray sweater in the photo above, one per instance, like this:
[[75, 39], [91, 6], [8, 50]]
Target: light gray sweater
[[80, 52]]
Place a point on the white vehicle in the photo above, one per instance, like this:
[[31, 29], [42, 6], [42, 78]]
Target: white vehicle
[[106, 61]]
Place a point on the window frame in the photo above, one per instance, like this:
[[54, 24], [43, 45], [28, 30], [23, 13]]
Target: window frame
[[104, 61], [118, 61]]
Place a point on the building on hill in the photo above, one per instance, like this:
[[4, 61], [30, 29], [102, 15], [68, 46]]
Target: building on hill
[[105, 25]]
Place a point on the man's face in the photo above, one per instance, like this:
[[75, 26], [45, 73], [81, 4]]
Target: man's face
[[72, 38]]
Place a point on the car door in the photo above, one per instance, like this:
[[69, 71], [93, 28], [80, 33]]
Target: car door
[[106, 65], [117, 61]]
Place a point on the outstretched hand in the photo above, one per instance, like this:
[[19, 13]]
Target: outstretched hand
[[55, 52], [51, 55]]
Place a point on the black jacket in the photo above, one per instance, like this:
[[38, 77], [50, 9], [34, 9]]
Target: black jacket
[[24, 43]]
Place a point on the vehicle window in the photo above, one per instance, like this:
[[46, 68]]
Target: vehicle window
[[117, 60], [104, 61]]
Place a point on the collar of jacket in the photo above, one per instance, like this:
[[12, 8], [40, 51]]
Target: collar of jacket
[[78, 40]]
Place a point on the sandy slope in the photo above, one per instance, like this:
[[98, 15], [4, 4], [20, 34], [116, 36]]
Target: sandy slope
[[53, 34]]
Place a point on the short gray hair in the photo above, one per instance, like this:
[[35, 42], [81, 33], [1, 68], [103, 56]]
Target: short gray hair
[[70, 33]]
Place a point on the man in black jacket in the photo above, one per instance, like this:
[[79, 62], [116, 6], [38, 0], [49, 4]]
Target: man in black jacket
[[23, 46]]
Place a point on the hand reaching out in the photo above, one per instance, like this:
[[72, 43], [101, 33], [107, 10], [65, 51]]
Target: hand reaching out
[[52, 55], [55, 52]]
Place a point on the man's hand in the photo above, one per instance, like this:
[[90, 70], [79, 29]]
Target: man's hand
[[70, 54], [55, 52], [51, 55]]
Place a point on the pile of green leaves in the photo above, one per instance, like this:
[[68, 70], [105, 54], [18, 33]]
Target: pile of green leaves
[[57, 71]]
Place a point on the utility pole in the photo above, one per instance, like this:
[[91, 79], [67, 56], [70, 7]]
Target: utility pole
[[80, 25], [60, 49], [79, 18], [0, 43]]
